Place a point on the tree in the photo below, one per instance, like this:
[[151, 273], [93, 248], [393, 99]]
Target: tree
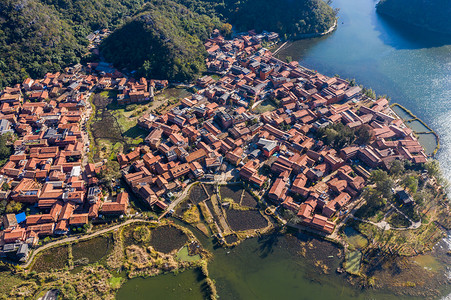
[[397, 167], [13, 207], [378, 175], [226, 29], [410, 182], [364, 134], [3, 204], [432, 167], [111, 171], [5, 186], [385, 188]]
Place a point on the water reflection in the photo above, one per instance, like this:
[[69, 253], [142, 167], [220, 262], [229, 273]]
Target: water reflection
[[403, 36]]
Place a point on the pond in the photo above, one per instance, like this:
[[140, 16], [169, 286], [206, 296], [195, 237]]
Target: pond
[[184, 286]]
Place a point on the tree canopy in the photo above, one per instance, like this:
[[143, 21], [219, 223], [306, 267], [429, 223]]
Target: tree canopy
[[163, 41]]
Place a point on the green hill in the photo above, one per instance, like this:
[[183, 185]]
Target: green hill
[[33, 40], [433, 15], [40, 36], [163, 41], [291, 17]]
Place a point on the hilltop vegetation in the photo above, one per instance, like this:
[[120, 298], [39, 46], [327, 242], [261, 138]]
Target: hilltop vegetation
[[163, 41], [291, 17], [432, 15], [40, 36]]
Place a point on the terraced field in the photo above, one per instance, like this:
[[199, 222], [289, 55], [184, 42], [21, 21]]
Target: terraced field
[[167, 238], [240, 220], [233, 192]]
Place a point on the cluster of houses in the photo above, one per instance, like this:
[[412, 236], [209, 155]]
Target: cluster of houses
[[277, 150], [48, 171], [217, 127]]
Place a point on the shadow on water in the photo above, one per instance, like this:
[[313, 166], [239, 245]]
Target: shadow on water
[[403, 36], [267, 244]]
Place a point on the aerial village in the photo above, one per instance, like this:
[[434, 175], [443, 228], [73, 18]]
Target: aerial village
[[213, 135]]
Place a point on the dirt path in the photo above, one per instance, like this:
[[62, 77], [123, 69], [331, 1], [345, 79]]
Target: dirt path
[[218, 211], [385, 226], [78, 238]]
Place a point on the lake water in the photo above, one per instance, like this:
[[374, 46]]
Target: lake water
[[410, 66]]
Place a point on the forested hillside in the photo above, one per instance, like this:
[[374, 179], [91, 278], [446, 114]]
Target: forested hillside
[[165, 40], [434, 15], [291, 17], [40, 36]]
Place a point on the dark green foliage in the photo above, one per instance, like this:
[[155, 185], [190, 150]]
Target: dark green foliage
[[336, 135], [34, 40], [410, 182], [5, 150], [163, 41], [432, 15], [364, 134], [291, 17], [374, 202], [339, 136], [40, 36], [90, 15], [397, 167], [384, 183]]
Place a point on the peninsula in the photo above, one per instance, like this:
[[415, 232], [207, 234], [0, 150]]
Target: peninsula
[[304, 151]]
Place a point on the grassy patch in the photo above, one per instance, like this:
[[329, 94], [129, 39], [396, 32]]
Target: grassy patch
[[352, 264], [191, 215], [183, 255], [397, 220], [8, 282], [115, 282], [355, 239], [264, 107], [206, 213]]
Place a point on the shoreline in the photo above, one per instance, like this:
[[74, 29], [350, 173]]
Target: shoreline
[[306, 36]]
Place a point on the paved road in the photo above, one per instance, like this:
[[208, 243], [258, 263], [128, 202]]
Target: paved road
[[177, 201], [278, 49], [78, 238]]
